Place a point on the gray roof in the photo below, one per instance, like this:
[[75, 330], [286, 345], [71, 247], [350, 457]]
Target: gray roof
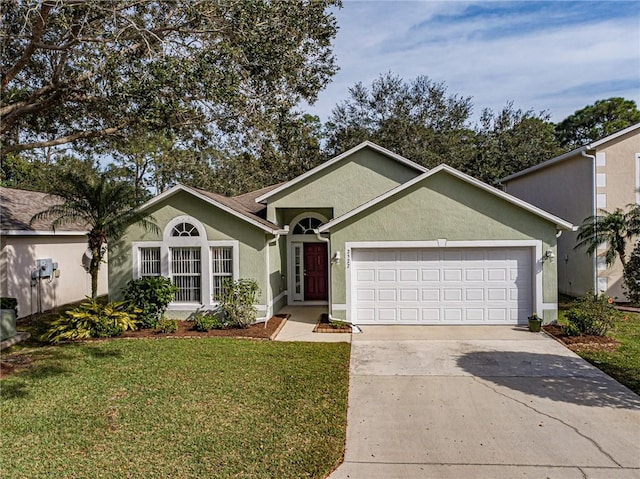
[[17, 207]]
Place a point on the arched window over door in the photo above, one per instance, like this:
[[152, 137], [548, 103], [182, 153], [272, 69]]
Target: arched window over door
[[306, 226]]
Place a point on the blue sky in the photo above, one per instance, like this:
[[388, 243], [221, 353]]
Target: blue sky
[[557, 56]]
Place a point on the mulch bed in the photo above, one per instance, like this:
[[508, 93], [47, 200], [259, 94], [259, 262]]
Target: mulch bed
[[185, 330], [581, 343], [325, 326]]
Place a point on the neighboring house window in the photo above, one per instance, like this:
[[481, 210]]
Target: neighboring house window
[[150, 261], [221, 268], [186, 270], [306, 226]]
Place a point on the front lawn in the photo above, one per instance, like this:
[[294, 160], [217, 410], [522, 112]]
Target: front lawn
[[187, 408], [623, 364]]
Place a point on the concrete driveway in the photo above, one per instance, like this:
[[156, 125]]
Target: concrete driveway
[[483, 402]]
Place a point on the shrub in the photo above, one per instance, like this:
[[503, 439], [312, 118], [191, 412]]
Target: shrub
[[152, 295], [632, 275], [237, 300], [167, 325], [208, 321], [92, 319], [592, 315]]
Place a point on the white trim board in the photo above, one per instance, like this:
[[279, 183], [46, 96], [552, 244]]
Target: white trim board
[[559, 222]]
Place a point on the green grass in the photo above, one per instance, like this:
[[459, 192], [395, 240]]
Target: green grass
[[623, 364], [176, 408]]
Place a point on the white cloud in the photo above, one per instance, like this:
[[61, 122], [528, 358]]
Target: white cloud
[[547, 58]]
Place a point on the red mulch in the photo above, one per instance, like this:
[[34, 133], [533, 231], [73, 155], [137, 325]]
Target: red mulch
[[185, 330], [582, 343]]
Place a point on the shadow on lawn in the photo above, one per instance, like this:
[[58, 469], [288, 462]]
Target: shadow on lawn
[[45, 362], [559, 378]]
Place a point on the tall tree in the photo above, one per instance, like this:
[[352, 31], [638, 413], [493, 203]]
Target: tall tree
[[510, 141], [417, 119], [107, 206], [615, 229], [80, 71], [596, 121]]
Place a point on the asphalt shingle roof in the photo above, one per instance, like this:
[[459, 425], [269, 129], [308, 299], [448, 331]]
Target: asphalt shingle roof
[[17, 207]]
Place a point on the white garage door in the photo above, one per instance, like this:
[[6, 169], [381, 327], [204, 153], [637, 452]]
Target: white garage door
[[442, 286]]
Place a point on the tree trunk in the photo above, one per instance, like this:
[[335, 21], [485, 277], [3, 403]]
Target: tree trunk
[[94, 270]]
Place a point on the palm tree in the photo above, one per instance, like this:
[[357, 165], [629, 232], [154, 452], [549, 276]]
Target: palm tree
[[616, 229], [105, 205]]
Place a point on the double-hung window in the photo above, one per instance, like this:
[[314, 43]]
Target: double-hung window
[[221, 268]]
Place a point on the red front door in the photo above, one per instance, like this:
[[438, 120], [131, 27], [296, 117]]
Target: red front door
[[315, 271]]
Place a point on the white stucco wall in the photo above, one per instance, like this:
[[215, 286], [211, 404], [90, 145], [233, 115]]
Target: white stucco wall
[[18, 258]]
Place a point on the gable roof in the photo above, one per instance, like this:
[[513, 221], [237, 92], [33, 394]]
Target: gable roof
[[233, 206], [559, 222], [337, 159], [570, 154], [19, 206]]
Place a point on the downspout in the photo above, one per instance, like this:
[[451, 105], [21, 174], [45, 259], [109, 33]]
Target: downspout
[[595, 212], [269, 292], [354, 328]]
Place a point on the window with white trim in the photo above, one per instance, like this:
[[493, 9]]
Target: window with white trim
[[150, 264], [221, 268], [186, 274], [184, 229], [195, 264]]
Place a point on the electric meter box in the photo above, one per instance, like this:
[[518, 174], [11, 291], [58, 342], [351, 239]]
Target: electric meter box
[[44, 267]]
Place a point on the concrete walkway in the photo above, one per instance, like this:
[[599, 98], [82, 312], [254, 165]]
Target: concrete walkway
[[483, 402], [299, 326]]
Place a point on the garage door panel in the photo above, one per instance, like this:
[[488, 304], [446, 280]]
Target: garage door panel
[[366, 294], [451, 294], [387, 314], [442, 286], [474, 274], [408, 275], [474, 294], [365, 276], [409, 295], [430, 295], [453, 315], [475, 315], [387, 275], [409, 314], [431, 275], [387, 295], [452, 275], [496, 274]]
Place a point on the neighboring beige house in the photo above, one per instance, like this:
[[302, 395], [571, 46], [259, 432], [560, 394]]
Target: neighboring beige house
[[24, 245], [602, 175]]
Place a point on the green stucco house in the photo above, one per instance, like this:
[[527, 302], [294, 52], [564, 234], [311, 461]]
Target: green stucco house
[[375, 237]]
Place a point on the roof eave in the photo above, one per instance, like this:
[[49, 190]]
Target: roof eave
[[177, 188]]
